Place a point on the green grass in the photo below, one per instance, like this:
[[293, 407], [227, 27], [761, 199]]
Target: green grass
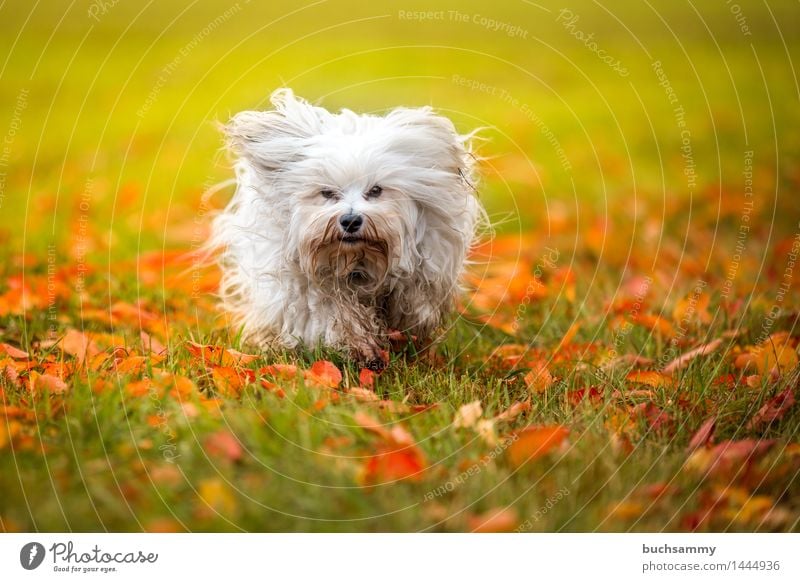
[[97, 126]]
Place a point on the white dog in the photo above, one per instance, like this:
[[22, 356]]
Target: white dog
[[344, 226]]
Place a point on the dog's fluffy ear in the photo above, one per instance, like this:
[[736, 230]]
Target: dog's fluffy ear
[[434, 137], [272, 139]]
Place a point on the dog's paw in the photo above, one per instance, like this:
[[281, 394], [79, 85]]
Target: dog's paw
[[371, 357]]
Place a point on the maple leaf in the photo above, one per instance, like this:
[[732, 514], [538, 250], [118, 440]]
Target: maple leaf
[[535, 442], [539, 379]]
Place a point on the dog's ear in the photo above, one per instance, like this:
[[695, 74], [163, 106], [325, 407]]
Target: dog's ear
[[272, 139], [433, 137]]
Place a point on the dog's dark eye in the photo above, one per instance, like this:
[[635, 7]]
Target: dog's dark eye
[[327, 194], [374, 192]]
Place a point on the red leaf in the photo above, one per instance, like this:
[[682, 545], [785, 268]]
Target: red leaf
[[656, 419], [774, 409], [394, 464], [223, 444], [703, 434]]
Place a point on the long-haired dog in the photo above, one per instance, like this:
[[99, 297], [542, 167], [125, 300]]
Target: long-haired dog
[[344, 227]]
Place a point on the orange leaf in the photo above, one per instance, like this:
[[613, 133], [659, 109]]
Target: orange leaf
[[568, 336], [52, 384], [78, 344], [366, 378], [324, 373], [539, 378], [513, 411], [230, 381], [393, 463], [218, 355], [497, 520], [655, 323], [693, 307], [649, 377], [534, 442]]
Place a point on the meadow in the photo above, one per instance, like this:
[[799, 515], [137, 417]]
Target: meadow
[[624, 357]]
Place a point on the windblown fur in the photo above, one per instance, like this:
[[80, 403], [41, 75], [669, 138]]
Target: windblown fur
[[293, 274]]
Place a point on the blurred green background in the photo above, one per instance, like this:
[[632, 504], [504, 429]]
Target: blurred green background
[[114, 104]]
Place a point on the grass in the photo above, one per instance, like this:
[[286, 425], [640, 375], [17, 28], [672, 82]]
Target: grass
[[100, 201]]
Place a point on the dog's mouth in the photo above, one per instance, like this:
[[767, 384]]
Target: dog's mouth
[[350, 239]]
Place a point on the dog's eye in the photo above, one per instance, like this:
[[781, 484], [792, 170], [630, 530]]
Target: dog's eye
[[327, 194], [374, 192]]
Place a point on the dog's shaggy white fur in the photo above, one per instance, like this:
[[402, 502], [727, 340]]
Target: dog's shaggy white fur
[[344, 226]]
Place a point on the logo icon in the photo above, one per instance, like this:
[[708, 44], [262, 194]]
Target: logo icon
[[31, 555]]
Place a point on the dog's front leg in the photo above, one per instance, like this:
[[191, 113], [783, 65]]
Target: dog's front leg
[[358, 330]]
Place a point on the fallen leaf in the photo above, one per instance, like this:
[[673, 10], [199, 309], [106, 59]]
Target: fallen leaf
[[683, 360], [366, 378], [703, 434], [52, 384], [568, 336], [393, 463], [650, 378], [534, 442], [539, 379], [223, 444], [324, 373], [467, 415], [692, 308], [513, 411], [13, 352], [78, 344], [218, 355], [774, 409], [497, 520]]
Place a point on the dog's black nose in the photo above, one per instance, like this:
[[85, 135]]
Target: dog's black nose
[[351, 222]]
